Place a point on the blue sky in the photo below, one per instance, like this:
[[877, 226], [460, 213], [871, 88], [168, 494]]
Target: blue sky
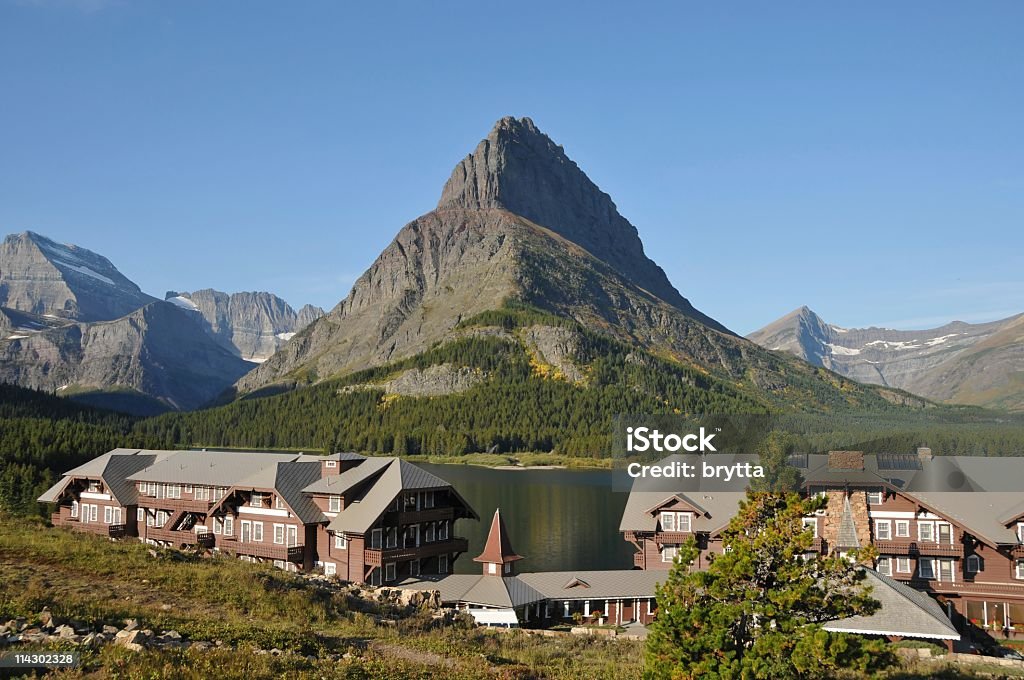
[[864, 159]]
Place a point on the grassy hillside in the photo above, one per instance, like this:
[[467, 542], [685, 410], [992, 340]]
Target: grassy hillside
[[96, 582]]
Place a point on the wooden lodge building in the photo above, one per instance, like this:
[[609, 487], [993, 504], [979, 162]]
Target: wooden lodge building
[[964, 548], [367, 520]]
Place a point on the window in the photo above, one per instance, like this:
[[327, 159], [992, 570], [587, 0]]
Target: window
[[93, 512], [74, 508], [414, 568], [903, 528], [279, 534], [375, 537], [668, 553], [812, 524], [428, 499], [925, 568], [884, 566], [508, 567], [140, 515], [883, 529], [429, 533], [141, 486], [117, 515], [874, 497], [668, 521], [902, 565], [340, 541], [218, 524], [108, 515], [202, 493], [256, 500], [442, 531], [229, 525], [683, 522], [442, 564], [330, 568], [188, 488], [945, 570], [173, 491], [392, 537], [1020, 569], [1020, 532], [945, 532], [492, 568], [334, 504], [257, 532], [332, 463], [973, 564], [926, 531], [151, 489], [375, 577], [279, 503]]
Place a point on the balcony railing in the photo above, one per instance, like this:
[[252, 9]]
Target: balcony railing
[[180, 536], [185, 504], [672, 536], [640, 560], [376, 557], [914, 548], [273, 551], [425, 515]]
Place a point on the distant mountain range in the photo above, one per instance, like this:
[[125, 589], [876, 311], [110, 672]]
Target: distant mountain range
[[71, 322], [962, 363]]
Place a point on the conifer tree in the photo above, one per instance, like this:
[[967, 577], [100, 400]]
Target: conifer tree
[[757, 611]]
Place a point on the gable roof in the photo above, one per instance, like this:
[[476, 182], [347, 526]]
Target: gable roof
[[719, 508], [209, 468], [288, 479], [384, 479], [904, 612], [112, 468]]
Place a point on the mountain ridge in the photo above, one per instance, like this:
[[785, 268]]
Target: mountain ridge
[[958, 362]]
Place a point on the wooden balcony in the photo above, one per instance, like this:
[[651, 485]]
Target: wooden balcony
[[640, 560], [426, 515], [819, 545], [376, 557], [915, 548], [272, 551], [175, 504], [662, 537], [1017, 550], [179, 537]]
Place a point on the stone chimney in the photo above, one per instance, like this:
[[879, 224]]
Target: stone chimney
[[846, 460], [924, 453]]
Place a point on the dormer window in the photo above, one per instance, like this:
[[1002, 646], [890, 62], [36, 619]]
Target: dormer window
[[256, 500], [668, 521], [332, 463], [334, 504], [279, 503], [1020, 532], [684, 522], [875, 497]]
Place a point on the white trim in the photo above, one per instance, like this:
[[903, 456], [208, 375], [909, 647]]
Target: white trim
[[246, 510], [868, 631], [892, 514], [92, 495]]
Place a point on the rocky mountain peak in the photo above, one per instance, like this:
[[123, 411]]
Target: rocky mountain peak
[[519, 169], [40, 276]]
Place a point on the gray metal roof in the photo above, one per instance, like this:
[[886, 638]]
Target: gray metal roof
[[384, 479], [720, 507], [514, 591], [595, 585], [904, 612], [209, 468], [289, 479], [980, 511], [112, 468], [338, 484]]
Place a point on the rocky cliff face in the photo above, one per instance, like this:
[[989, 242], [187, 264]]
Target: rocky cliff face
[[519, 169], [157, 353], [981, 364], [43, 277], [519, 221], [252, 325]]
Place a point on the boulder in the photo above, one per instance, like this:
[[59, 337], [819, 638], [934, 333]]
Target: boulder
[[46, 619], [64, 631], [131, 624], [109, 630]]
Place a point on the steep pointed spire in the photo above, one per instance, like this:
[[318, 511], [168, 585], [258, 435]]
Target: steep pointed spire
[[498, 549], [519, 169]]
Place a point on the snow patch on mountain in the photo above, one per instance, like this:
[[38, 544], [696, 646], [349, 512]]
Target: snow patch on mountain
[[183, 302], [81, 269]]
